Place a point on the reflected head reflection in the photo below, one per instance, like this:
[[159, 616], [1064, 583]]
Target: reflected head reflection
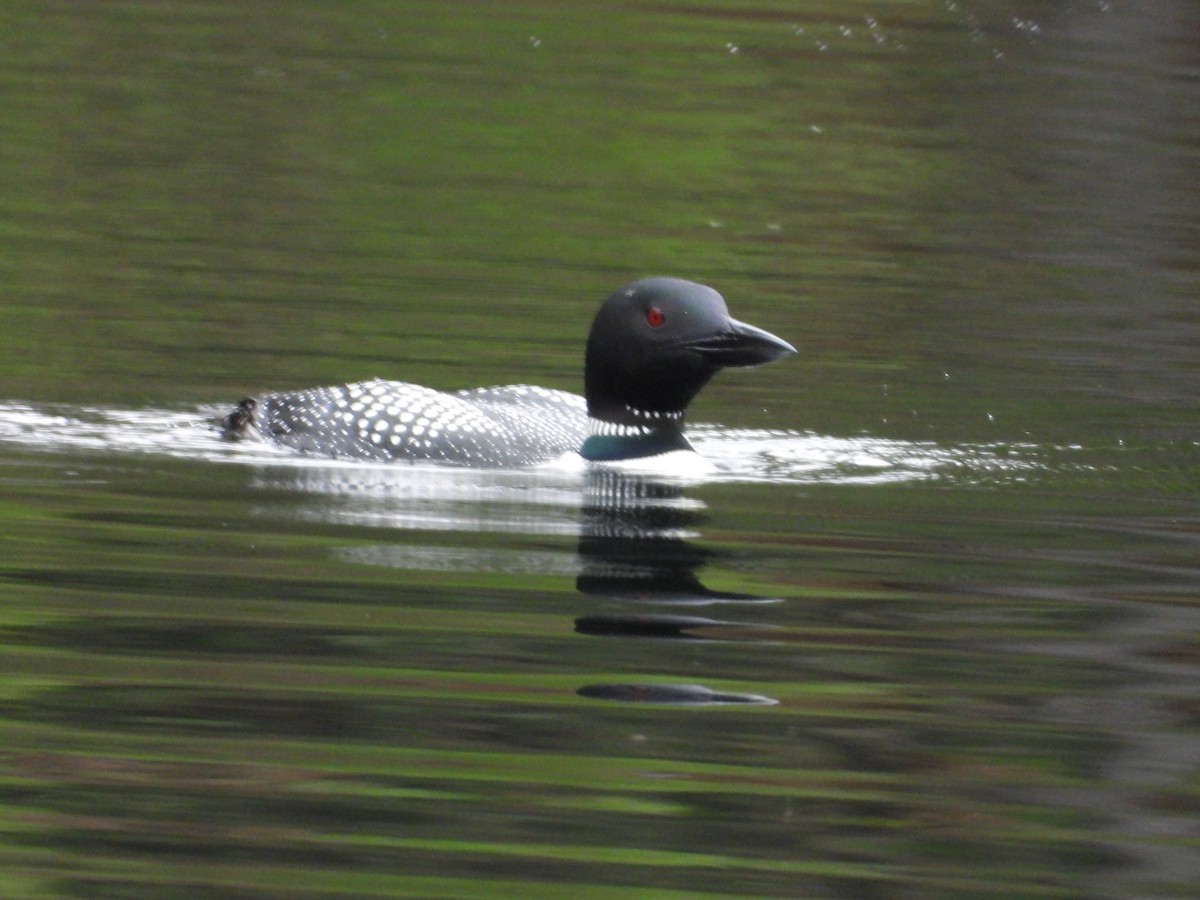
[[634, 550]]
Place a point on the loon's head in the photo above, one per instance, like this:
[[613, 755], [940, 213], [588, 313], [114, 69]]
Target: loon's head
[[653, 345]]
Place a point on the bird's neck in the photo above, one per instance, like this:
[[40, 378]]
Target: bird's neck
[[629, 433]]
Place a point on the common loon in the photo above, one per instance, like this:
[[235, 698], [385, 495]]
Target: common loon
[[653, 345]]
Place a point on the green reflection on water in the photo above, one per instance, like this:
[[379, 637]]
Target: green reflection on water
[[199, 692]]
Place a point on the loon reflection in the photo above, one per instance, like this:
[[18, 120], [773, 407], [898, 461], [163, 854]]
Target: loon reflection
[[632, 551], [635, 557]]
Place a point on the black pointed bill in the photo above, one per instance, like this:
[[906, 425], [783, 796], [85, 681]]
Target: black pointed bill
[[741, 345]]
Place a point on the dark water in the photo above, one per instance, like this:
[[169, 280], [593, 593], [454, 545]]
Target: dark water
[[930, 630]]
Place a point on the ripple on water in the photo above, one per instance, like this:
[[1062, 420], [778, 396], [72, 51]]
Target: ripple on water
[[787, 457]]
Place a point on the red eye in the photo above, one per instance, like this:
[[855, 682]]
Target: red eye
[[655, 317]]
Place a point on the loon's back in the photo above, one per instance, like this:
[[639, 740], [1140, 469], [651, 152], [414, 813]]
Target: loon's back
[[517, 425]]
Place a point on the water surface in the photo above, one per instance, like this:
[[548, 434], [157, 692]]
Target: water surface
[[928, 630]]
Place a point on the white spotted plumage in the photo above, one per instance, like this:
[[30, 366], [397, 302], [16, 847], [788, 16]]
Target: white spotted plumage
[[385, 420]]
